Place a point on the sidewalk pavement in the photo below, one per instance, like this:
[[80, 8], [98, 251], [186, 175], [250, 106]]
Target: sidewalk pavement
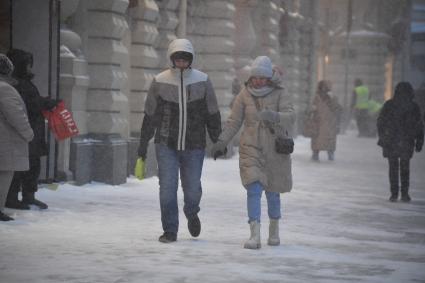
[[337, 226]]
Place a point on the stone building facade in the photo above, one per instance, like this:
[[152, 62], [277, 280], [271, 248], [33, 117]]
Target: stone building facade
[[109, 51]]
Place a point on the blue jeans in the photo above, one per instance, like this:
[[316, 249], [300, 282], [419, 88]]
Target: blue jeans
[[254, 192], [170, 162]]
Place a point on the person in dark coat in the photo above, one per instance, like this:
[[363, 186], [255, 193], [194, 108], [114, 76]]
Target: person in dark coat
[[15, 132], [35, 104], [400, 131]]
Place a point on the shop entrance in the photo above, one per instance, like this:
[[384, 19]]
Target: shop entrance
[[33, 26]]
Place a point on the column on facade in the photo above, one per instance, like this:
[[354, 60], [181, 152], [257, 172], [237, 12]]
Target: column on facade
[[168, 21], [244, 37], [266, 17], [144, 57], [102, 154], [144, 61], [107, 105], [367, 55], [307, 47], [210, 27], [396, 18], [73, 86], [290, 53], [73, 83]]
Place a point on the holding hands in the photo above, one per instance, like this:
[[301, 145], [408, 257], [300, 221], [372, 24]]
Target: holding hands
[[218, 149]]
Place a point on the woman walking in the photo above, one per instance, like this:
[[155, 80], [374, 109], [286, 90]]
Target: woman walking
[[326, 112], [265, 111]]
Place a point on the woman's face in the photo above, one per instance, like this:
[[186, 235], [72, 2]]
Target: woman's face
[[259, 82], [326, 87]]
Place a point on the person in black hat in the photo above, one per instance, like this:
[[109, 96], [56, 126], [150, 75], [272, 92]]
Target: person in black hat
[[35, 104]]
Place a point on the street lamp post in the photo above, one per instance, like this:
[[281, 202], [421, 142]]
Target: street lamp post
[[346, 57]]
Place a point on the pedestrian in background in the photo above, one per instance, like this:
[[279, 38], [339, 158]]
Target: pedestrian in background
[[327, 114], [27, 181], [180, 107], [400, 132], [360, 104], [15, 132], [264, 110]]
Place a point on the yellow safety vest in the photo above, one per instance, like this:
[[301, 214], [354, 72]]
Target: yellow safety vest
[[362, 97]]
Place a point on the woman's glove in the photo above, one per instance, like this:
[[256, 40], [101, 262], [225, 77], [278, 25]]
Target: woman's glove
[[269, 115], [218, 149]]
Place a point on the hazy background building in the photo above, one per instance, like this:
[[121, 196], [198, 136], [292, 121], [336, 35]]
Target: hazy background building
[[100, 56]]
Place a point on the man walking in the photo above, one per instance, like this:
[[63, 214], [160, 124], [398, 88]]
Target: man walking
[[360, 103], [180, 107]]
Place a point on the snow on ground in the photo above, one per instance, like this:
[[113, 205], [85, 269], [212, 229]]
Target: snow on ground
[[338, 227]]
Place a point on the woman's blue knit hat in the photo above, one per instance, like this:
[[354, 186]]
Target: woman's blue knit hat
[[262, 67]]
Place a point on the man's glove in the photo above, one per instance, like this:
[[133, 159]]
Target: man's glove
[[142, 151], [218, 149], [269, 115]]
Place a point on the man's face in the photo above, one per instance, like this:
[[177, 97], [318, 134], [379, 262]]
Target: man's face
[[181, 63]]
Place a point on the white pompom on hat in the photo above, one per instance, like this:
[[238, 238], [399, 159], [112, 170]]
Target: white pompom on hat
[[262, 67]]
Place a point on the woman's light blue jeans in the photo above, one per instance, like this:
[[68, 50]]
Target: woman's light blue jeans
[[170, 163], [254, 192]]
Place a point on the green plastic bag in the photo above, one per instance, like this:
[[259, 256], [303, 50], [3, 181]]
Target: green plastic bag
[[374, 106], [139, 170]]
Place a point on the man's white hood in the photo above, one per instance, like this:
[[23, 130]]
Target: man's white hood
[[180, 44]]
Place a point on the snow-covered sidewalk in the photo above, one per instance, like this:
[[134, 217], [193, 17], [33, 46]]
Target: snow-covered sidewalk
[[338, 226]]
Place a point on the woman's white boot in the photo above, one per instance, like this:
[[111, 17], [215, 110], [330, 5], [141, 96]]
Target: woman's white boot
[[254, 241], [274, 239]]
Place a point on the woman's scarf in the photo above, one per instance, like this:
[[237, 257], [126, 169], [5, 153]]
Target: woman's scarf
[[259, 92], [276, 81]]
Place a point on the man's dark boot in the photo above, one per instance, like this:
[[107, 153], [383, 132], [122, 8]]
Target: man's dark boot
[[331, 156], [28, 198], [405, 195], [4, 217], [315, 156], [394, 191], [16, 204], [168, 237], [194, 226], [393, 197], [12, 200]]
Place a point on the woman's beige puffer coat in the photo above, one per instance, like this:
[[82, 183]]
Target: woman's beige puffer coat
[[258, 159]]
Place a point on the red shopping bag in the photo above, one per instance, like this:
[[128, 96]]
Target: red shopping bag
[[61, 122]]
